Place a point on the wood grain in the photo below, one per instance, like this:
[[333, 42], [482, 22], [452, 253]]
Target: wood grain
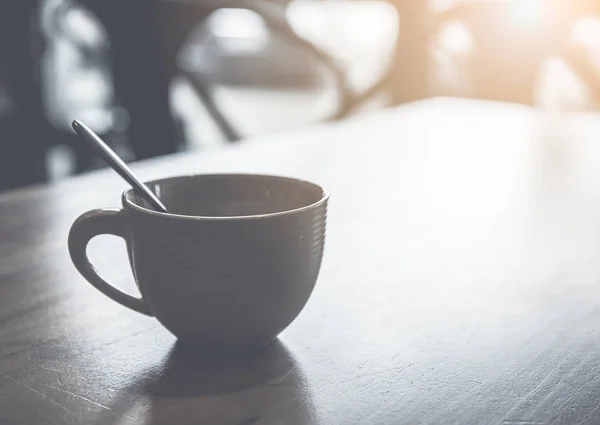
[[460, 285]]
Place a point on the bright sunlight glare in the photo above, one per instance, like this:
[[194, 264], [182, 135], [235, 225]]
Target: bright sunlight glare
[[455, 37], [527, 12], [586, 31]]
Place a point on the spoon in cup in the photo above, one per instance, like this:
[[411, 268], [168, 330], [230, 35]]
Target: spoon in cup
[[117, 164]]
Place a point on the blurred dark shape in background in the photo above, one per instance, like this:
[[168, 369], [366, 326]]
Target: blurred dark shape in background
[[21, 155], [155, 77]]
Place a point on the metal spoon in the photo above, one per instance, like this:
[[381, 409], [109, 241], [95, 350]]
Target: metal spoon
[[117, 164]]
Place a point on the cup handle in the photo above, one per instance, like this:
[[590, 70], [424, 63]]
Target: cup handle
[[84, 229]]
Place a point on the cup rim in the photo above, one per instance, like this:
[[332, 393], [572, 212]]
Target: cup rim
[[138, 208]]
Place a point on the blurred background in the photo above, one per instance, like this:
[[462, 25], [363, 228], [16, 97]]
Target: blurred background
[[156, 77]]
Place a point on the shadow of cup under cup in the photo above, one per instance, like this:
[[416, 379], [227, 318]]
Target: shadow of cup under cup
[[187, 372], [263, 387], [228, 268]]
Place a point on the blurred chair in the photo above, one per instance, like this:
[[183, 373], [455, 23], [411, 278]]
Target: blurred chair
[[146, 37]]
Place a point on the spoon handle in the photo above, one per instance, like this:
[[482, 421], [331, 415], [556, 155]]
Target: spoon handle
[[117, 164]]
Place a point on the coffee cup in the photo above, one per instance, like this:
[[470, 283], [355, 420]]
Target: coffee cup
[[230, 265]]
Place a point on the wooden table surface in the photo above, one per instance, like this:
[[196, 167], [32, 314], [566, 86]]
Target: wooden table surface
[[460, 285]]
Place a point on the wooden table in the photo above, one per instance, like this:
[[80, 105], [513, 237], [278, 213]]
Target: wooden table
[[461, 284]]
